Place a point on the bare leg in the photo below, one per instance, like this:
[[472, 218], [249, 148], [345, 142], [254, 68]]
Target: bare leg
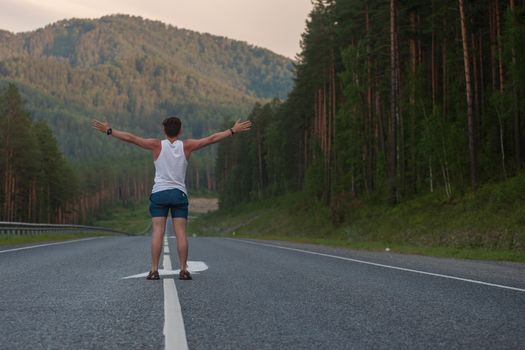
[[179, 225], [157, 236]]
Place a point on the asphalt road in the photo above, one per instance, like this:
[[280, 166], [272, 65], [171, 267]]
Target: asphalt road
[[257, 295]]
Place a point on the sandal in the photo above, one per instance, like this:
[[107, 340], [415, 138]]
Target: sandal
[[184, 275], [153, 275]]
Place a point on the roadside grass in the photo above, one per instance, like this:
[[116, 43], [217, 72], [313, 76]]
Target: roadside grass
[[132, 218], [487, 225], [281, 216], [8, 240], [445, 252]]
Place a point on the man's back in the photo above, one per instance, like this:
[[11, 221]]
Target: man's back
[[170, 167]]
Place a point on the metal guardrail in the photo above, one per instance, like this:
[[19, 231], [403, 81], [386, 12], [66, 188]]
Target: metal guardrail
[[21, 228]]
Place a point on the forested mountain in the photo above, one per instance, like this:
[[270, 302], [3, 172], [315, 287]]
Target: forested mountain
[[135, 72], [392, 99]]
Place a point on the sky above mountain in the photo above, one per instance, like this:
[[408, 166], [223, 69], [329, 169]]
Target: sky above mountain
[[273, 24]]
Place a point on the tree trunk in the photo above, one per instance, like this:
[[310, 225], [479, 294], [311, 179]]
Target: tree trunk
[[502, 147], [516, 110], [445, 72], [327, 127], [493, 46], [369, 111], [332, 129], [400, 121], [475, 78], [500, 47], [470, 116], [481, 80], [414, 59], [393, 103], [430, 174], [433, 62], [381, 124]]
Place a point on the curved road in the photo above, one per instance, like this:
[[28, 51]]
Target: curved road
[[255, 295]]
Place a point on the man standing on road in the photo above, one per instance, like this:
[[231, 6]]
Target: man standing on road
[[169, 190]]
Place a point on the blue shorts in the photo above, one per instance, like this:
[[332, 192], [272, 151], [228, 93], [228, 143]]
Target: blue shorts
[[161, 203]]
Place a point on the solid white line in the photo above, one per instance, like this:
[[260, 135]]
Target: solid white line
[[166, 262], [174, 332], [48, 244], [383, 265]]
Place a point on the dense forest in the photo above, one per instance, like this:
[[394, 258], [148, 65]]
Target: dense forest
[[392, 99], [40, 185]]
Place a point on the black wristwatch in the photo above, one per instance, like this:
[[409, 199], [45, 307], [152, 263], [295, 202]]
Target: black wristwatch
[[109, 131]]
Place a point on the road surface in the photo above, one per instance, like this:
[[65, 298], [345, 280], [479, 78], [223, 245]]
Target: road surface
[[255, 295]]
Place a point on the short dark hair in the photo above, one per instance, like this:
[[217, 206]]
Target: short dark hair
[[172, 126]]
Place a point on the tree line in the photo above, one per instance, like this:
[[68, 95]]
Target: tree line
[[40, 185], [392, 99]]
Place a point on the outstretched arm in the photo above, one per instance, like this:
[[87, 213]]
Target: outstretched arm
[[149, 144], [194, 145]]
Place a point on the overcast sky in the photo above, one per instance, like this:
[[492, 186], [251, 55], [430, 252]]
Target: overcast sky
[[273, 24]]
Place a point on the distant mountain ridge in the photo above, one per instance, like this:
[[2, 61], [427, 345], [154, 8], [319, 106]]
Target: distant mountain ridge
[[133, 70], [256, 70]]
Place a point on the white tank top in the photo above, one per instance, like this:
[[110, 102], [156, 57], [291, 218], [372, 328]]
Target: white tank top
[[170, 167]]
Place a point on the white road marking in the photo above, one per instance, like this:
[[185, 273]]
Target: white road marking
[[174, 332], [48, 244], [166, 249], [383, 265], [193, 266], [196, 266]]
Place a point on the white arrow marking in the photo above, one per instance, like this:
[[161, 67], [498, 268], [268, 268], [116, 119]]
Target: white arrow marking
[[193, 266], [197, 266]]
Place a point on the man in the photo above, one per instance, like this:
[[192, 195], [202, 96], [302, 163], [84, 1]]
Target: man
[[169, 190]]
